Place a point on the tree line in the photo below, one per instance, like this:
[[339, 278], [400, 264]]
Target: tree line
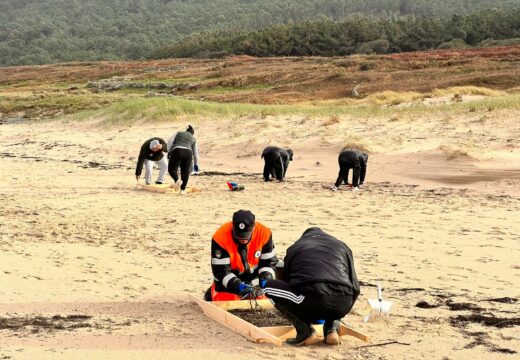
[[48, 31], [366, 35]]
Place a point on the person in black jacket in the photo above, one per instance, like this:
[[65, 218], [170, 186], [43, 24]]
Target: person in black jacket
[[351, 159], [319, 282], [276, 162], [152, 151]]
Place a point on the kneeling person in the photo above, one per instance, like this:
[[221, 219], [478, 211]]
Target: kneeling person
[[319, 282], [241, 250], [276, 162]]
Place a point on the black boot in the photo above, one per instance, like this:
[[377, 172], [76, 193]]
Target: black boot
[[305, 334], [330, 332]]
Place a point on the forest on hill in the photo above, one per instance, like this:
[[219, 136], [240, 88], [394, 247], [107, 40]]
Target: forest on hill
[[48, 31], [362, 35]]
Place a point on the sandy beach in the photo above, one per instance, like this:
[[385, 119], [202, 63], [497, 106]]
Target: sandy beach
[[92, 266]]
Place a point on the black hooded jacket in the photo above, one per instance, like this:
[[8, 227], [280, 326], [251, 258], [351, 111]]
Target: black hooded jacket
[[272, 153], [354, 158], [146, 154], [320, 262]]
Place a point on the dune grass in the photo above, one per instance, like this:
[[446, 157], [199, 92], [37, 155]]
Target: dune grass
[[52, 103], [393, 97], [171, 108], [468, 90], [456, 151]]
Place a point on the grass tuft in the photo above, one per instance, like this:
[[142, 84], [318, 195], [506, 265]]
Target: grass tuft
[[454, 152], [468, 90]]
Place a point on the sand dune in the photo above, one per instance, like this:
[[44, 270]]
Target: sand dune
[[79, 237]]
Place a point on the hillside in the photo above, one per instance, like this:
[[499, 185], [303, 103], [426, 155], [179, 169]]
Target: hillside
[[38, 32], [166, 88]]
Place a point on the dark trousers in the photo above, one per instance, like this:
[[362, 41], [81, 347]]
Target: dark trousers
[[343, 174], [275, 167], [362, 174], [182, 158], [308, 307]]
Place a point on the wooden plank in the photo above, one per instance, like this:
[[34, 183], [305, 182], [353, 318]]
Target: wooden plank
[[236, 324], [285, 332], [157, 188], [218, 310], [166, 188], [242, 304], [282, 332], [347, 330]]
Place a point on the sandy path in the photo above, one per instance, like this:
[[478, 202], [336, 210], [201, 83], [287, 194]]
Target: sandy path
[[79, 237]]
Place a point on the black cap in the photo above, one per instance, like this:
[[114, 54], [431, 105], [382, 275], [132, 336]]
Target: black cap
[[243, 224], [190, 129]]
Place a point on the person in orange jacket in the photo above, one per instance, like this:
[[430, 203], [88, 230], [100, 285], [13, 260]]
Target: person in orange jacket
[[241, 250]]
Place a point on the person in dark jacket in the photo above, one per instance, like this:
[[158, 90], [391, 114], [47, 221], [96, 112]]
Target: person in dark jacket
[[319, 282], [276, 162], [182, 151], [152, 152], [351, 159]]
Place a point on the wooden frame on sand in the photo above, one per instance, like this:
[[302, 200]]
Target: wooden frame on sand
[[165, 188], [218, 311]]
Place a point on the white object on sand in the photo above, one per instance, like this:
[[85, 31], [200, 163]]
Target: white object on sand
[[378, 307]]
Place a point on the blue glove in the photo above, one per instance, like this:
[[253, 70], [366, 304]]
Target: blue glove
[[245, 289], [196, 168], [263, 283]]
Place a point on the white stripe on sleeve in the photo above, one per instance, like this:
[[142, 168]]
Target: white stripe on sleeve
[[227, 278], [267, 255], [267, 269], [225, 261]]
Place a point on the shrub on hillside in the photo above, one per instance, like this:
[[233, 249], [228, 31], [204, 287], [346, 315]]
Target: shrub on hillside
[[453, 44], [379, 46], [493, 42]]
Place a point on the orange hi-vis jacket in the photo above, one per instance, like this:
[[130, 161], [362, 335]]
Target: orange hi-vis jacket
[[227, 265], [224, 237]]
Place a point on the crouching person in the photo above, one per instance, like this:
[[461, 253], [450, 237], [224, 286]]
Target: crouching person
[[152, 152], [276, 162], [319, 283], [241, 250], [355, 160]]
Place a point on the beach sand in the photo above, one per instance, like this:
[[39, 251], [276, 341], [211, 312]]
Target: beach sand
[[78, 236]]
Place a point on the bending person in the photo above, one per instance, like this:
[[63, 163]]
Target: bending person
[[182, 151], [276, 162], [152, 152], [241, 250], [351, 159], [319, 283]]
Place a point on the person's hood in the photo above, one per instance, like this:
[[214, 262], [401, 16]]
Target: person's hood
[[311, 232]]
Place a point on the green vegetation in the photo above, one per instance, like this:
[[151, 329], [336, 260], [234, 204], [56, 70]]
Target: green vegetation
[[367, 35], [48, 31], [169, 108], [54, 104]]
